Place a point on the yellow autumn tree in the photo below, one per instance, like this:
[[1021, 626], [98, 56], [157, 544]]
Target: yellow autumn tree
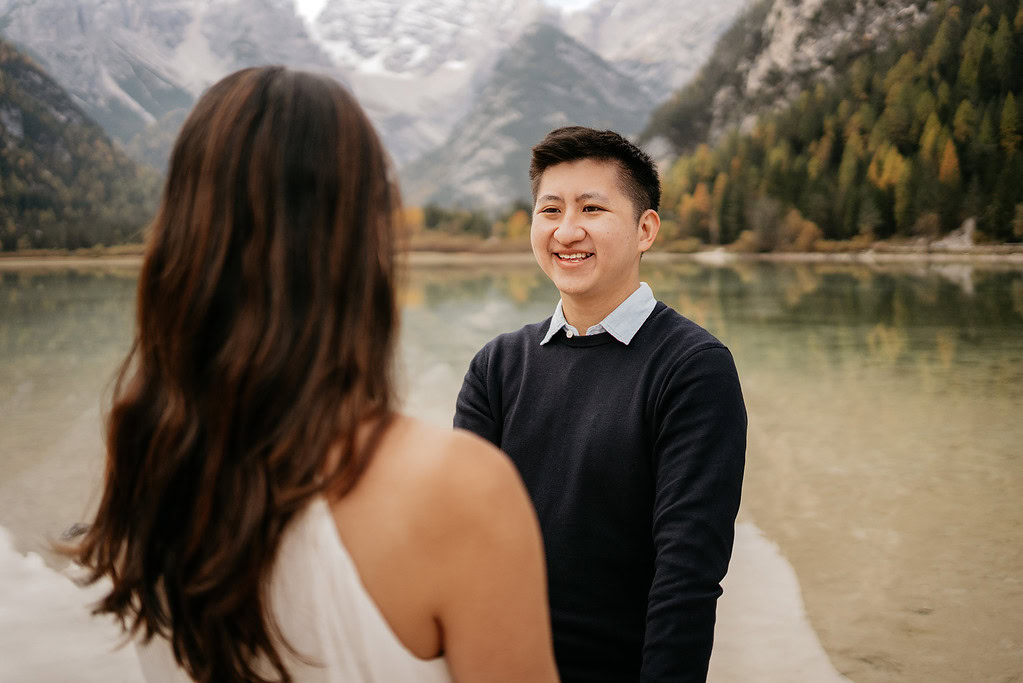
[[717, 205], [413, 216], [694, 211], [948, 171], [517, 226]]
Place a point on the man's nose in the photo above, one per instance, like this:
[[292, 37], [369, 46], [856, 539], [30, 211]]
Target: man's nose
[[569, 230]]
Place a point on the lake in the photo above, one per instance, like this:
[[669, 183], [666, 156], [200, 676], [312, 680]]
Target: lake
[[881, 533]]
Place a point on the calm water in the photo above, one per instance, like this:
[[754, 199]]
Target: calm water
[[886, 441]]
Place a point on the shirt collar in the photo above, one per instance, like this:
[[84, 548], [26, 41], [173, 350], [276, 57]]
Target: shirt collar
[[622, 323]]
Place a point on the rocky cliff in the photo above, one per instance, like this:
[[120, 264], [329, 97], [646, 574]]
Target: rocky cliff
[[775, 50]]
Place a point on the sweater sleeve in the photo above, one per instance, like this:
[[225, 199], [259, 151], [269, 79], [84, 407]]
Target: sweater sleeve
[[698, 460], [473, 410]]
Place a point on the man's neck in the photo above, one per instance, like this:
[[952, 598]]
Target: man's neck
[[582, 314]]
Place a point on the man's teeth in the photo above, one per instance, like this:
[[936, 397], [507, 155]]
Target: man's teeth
[[573, 257]]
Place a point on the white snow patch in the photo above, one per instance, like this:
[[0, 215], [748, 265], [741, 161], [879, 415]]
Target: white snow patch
[[308, 10], [197, 66], [112, 88]]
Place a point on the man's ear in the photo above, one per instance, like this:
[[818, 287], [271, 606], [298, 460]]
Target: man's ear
[[649, 225]]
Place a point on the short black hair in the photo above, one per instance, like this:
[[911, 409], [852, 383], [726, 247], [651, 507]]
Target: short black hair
[[636, 169]]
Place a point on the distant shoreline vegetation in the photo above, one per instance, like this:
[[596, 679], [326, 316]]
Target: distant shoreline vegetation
[[442, 247], [441, 230]]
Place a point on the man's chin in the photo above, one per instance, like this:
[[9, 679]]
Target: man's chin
[[572, 289]]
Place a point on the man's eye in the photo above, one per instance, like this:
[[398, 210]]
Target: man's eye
[[549, 209], [590, 207]]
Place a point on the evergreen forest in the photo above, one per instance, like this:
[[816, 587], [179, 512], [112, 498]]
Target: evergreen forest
[[904, 144]]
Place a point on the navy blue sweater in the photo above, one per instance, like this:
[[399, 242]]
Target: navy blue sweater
[[633, 456]]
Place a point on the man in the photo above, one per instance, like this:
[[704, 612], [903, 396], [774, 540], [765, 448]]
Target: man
[[625, 420]]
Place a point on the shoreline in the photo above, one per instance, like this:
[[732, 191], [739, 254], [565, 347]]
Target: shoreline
[[1012, 257]]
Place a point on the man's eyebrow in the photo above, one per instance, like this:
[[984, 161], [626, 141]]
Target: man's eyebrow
[[549, 198], [591, 195]]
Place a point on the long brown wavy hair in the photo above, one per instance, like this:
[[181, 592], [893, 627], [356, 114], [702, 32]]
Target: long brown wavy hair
[[265, 328]]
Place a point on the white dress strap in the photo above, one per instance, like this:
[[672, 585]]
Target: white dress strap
[[324, 613]]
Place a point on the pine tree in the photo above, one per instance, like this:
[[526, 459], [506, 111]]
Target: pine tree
[[941, 51], [1001, 52], [1009, 126], [986, 134], [929, 138], [718, 199], [903, 183], [944, 95], [964, 121], [923, 108], [849, 168], [859, 78], [972, 52]]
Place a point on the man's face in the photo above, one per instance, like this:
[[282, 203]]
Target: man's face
[[585, 234]]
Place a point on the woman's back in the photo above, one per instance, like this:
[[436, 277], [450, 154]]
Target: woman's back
[[376, 585]]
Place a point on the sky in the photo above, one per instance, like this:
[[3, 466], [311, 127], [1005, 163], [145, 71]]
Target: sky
[[310, 8]]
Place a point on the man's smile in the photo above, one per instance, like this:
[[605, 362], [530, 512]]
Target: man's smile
[[573, 256]]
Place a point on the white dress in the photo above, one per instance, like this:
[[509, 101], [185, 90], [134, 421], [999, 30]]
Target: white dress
[[324, 612]]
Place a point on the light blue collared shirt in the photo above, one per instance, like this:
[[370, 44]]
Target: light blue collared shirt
[[622, 323]]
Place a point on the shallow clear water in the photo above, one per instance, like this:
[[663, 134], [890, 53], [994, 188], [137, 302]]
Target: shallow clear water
[[885, 451]]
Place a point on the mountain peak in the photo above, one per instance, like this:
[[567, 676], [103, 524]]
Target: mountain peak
[[544, 81]]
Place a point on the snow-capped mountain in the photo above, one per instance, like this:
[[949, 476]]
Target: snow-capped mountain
[[661, 43], [417, 64], [418, 37], [544, 81], [128, 63]]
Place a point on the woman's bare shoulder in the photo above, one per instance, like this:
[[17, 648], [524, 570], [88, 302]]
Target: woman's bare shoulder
[[450, 464]]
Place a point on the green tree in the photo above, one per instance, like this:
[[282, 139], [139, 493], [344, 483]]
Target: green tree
[[849, 167], [717, 200], [925, 105], [972, 53], [930, 137], [1002, 52], [903, 193], [941, 52], [986, 134], [1009, 126], [964, 122], [1017, 222]]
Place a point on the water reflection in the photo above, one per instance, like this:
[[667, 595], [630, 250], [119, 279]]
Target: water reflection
[[884, 457]]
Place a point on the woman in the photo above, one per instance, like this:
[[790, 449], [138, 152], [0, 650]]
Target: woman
[[266, 514]]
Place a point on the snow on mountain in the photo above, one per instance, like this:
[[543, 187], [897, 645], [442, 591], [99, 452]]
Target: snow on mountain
[[661, 43], [543, 81], [419, 36], [417, 64], [130, 62]]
